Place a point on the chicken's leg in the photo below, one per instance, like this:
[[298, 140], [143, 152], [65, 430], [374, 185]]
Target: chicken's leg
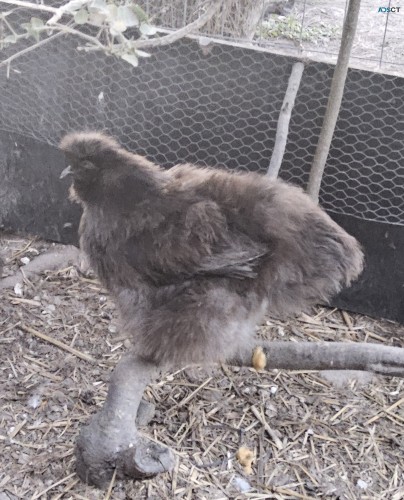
[[112, 441]]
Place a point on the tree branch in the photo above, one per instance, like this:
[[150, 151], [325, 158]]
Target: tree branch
[[334, 100], [29, 49], [73, 31], [62, 29], [282, 129], [96, 44], [111, 441], [374, 358], [30, 5], [181, 33], [63, 10]]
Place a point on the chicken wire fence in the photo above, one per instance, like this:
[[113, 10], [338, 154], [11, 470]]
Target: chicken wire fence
[[216, 104], [304, 28]]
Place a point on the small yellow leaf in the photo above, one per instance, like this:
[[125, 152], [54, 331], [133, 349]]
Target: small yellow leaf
[[245, 458], [259, 360]]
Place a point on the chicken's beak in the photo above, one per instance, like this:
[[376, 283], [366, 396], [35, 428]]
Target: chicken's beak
[[66, 171]]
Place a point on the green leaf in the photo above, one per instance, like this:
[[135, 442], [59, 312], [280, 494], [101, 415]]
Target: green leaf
[[117, 27], [74, 5], [127, 15], [147, 29], [81, 16], [141, 53], [36, 23], [112, 12], [139, 12], [32, 28], [9, 39], [97, 6], [96, 18], [131, 59]]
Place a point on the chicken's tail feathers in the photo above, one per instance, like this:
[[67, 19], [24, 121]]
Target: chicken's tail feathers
[[356, 260], [87, 145], [313, 265]]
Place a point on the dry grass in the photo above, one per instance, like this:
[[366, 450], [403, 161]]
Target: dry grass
[[311, 439], [311, 29]]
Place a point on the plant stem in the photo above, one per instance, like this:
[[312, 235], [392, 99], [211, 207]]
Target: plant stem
[[29, 49], [30, 5]]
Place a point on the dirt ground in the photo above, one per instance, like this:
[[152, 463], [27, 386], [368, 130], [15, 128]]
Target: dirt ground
[[337, 440], [375, 48]]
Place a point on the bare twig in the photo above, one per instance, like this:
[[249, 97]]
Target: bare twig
[[73, 31], [61, 481], [284, 119], [181, 33], [22, 250], [110, 487], [190, 396], [4, 19], [250, 18], [384, 411], [30, 5], [30, 48], [94, 41], [58, 343], [334, 100], [63, 10], [268, 428]]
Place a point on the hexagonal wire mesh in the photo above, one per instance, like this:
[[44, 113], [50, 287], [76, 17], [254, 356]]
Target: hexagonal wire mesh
[[365, 169], [218, 106], [303, 28]]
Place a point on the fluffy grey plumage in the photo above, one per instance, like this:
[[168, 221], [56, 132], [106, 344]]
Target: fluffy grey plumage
[[195, 256]]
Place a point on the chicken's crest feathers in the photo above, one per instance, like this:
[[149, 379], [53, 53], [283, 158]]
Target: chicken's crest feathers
[[104, 173], [88, 145]]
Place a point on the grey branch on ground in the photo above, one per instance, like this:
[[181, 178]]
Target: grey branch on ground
[[374, 358], [59, 383], [53, 259], [112, 441]]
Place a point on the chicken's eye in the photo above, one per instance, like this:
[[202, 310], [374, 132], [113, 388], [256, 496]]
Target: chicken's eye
[[87, 166]]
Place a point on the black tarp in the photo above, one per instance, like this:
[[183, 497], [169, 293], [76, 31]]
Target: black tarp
[[217, 107], [34, 201]]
